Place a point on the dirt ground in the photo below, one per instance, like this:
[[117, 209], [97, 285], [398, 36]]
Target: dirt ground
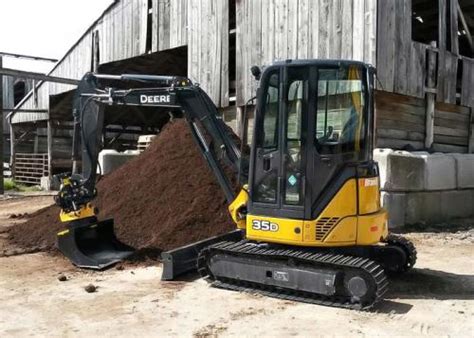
[[436, 298]]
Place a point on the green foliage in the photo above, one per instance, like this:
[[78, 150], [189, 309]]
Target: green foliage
[[10, 185]]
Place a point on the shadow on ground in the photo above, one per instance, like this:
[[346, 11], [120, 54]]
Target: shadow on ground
[[416, 284], [431, 284]]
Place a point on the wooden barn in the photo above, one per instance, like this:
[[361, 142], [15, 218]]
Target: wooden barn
[[13, 91], [422, 49]]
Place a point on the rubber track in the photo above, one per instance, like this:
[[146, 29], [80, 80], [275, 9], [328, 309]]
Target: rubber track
[[407, 245], [339, 262]]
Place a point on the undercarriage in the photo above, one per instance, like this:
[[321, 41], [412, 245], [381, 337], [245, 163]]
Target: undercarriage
[[354, 277]]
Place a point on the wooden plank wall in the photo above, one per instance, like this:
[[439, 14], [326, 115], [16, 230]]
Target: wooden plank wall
[[400, 120], [122, 34], [122, 31], [451, 128], [401, 62], [283, 29], [467, 96], [208, 47], [402, 69], [7, 98], [400, 123], [170, 22]]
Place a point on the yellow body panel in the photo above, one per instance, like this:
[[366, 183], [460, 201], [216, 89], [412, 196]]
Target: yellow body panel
[[85, 211], [369, 195], [236, 206], [344, 233], [339, 224], [287, 231], [372, 228]]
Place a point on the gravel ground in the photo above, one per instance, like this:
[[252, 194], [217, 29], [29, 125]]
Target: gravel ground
[[435, 299]]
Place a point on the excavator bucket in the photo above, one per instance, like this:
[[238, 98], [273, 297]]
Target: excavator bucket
[[92, 244]]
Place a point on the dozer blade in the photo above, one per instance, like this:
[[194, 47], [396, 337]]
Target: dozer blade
[[92, 244], [184, 259]]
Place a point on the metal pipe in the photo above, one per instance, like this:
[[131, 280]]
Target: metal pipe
[[31, 57], [36, 76]]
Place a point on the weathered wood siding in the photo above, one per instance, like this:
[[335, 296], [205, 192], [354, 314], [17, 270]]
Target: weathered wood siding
[[208, 47], [170, 24], [121, 31], [296, 29], [467, 95], [122, 34], [401, 62], [400, 120], [7, 95], [402, 68], [451, 127]]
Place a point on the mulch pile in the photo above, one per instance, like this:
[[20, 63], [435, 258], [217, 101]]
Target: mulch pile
[[165, 198]]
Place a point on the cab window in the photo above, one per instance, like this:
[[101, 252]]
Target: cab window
[[340, 111]]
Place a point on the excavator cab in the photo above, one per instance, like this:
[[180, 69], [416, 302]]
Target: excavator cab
[[313, 141]]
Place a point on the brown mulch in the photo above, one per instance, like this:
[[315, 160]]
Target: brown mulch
[[165, 198]]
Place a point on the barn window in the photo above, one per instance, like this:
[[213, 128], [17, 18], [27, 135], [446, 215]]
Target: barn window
[[424, 21], [19, 91]]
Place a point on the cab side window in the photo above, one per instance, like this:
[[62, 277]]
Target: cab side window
[[339, 115]]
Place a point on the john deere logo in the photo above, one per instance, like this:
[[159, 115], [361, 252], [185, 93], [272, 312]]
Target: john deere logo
[[155, 99]]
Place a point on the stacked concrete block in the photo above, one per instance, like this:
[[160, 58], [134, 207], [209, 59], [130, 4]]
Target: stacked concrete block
[[464, 170], [440, 172], [405, 172], [418, 187], [457, 203], [423, 207], [109, 160], [395, 203], [381, 157]]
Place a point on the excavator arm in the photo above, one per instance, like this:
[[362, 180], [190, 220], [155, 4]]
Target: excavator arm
[[162, 91], [174, 92]]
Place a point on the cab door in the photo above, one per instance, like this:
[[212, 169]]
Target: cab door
[[339, 133], [278, 180]]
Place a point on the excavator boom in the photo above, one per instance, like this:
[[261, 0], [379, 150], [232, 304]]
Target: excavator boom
[[88, 242]]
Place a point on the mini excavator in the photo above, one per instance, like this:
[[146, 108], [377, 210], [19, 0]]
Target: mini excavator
[[309, 222]]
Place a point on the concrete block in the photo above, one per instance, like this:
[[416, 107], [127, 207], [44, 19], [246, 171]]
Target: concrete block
[[395, 203], [464, 170], [415, 171], [45, 183], [111, 160], [423, 207], [440, 172], [404, 171], [457, 203], [381, 157]]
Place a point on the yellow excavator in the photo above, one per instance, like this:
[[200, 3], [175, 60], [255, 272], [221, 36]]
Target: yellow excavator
[[309, 224]]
